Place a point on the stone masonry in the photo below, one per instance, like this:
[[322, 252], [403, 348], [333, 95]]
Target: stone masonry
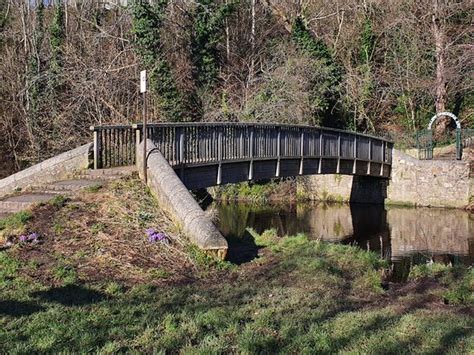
[[175, 198], [432, 183], [59, 167]]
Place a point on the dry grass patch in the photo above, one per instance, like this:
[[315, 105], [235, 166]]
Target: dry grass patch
[[101, 236]]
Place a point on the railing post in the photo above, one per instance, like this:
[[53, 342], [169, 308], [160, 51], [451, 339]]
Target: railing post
[[370, 157], [138, 137], [354, 166], [301, 151], [181, 146], [338, 167], [241, 153], [382, 151], [251, 152], [219, 156], [321, 136], [459, 144], [96, 147], [277, 173]]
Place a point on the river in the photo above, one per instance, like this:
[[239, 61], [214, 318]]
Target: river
[[403, 236]]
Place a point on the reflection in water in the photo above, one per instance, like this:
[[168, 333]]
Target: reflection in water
[[404, 236]]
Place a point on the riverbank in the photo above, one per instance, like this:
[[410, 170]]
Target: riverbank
[[298, 295], [89, 274], [276, 190]]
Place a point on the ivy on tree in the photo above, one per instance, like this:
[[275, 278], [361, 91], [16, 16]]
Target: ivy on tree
[[208, 24], [147, 23], [327, 74]]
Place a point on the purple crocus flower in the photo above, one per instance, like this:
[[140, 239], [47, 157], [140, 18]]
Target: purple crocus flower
[[149, 232], [33, 237], [23, 238], [157, 237]]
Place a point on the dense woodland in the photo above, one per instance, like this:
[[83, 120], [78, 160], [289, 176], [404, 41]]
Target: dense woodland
[[368, 65]]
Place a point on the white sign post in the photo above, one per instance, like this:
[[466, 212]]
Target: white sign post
[[143, 81], [145, 135]]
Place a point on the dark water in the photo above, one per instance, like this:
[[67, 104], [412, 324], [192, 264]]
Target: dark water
[[404, 236]]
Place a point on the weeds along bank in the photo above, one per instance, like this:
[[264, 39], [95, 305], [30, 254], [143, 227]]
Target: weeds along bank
[[258, 192]]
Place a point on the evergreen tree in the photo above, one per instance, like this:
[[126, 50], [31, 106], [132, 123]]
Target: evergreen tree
[[327, 75], [209, 21], [147, 25], [367, 43], [57, 39]]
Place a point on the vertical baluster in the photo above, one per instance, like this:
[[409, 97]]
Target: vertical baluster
[[122, 144], [116, 146], [107, 148], [127, 146], [370, 156], [111, 147], [251, 151], [104, 148], [131, 139], [301, 151], [338, 153], [96, 148]]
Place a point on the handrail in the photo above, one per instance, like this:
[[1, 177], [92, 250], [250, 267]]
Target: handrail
[[187, 143], [254, 124], [249, 124]]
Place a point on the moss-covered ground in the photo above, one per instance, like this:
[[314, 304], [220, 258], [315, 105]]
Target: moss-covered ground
[[94, 283]]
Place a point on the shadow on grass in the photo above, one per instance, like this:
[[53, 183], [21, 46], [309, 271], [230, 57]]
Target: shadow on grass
[[452, 337], [71, 295], [242, 250], [18, 308]]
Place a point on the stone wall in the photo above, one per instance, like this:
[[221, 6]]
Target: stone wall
[[175, 198], [436, 183], [433, 183], [59, 167], [343, 188]]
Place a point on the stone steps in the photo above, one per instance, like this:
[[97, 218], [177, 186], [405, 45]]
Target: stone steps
[[67, 186], [24, 201], [106, 174], [44, 193]]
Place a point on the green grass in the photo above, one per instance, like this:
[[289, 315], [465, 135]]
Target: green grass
[[58, 201], [305, 296], [94, 188], [15, 221], [256, 192], [458, 280]]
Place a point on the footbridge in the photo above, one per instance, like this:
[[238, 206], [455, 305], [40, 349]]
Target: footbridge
[[209, 154]]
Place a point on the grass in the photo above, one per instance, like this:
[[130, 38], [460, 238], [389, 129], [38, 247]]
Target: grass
[[458, 281], [299, 296], [13, 225], [15, 221]]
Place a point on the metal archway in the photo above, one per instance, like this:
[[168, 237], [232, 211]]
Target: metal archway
[[425, 142], [449, 114]]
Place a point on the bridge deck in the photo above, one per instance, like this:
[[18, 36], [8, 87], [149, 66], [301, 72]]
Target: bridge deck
[[206, 154]]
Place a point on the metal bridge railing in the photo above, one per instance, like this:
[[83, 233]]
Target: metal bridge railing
[[210, 143]]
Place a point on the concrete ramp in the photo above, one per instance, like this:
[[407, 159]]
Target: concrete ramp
[[175, 198]]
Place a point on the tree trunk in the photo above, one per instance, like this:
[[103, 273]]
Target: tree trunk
[[440, 46]]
